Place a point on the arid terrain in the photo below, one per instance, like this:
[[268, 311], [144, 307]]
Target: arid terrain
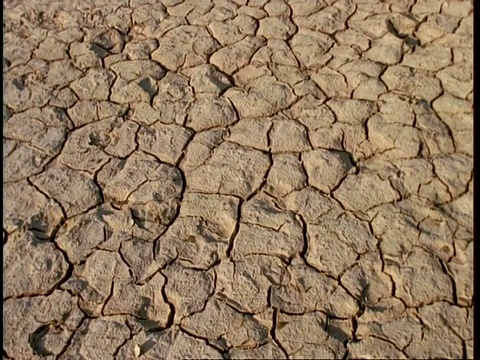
[[238, 179]]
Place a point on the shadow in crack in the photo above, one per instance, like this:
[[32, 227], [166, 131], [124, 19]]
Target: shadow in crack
[[143, 311], [101, 212], [147, 345], [364, 294], [39, 225], [346, 157], [37, 341], [146, 85], [337, 333], [98, 50]]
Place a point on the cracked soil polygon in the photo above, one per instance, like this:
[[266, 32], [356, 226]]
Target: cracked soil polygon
[[237, 179]]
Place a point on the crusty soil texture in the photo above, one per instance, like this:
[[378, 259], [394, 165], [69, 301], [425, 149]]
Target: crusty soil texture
[[238, 179]]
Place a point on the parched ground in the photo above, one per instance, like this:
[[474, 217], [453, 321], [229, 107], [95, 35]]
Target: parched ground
[[238, 179]]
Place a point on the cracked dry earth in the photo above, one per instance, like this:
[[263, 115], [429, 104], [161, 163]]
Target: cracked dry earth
[[238, 179]]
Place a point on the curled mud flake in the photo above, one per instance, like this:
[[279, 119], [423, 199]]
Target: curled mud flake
[[87, 55], [49, 126], [95, 85], [76, 191], [61, 73], [231, 58], [140, 90], [251, 133], [134, 69], [187, 289], [184, 46], [353, 38], [361, 192], [366, 281], [390, 320], [386, 50], [419, 278], [244, 284], [171, 342], [230, 170], [430, 58], [374, 347], [325, 169], [166, 142], [455, 170], [418, 83], [329, 19], [97, 337], [266, 97], [20, 96], [210, 112], [285, 176], [220, 321], [23, 161], [268, 351], [85, 147], [94, 280], [288, 136], [108, 39], [461, 268], [335, 242], [202, 232], [32, 266], [40, 325], [150, 189], [101, 228], [140, 50], [441, 321], [276, 28], [311, 204], [308, 290], [207, 79], [28, 208], [139, 300], [311, 48], [315, 342]]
